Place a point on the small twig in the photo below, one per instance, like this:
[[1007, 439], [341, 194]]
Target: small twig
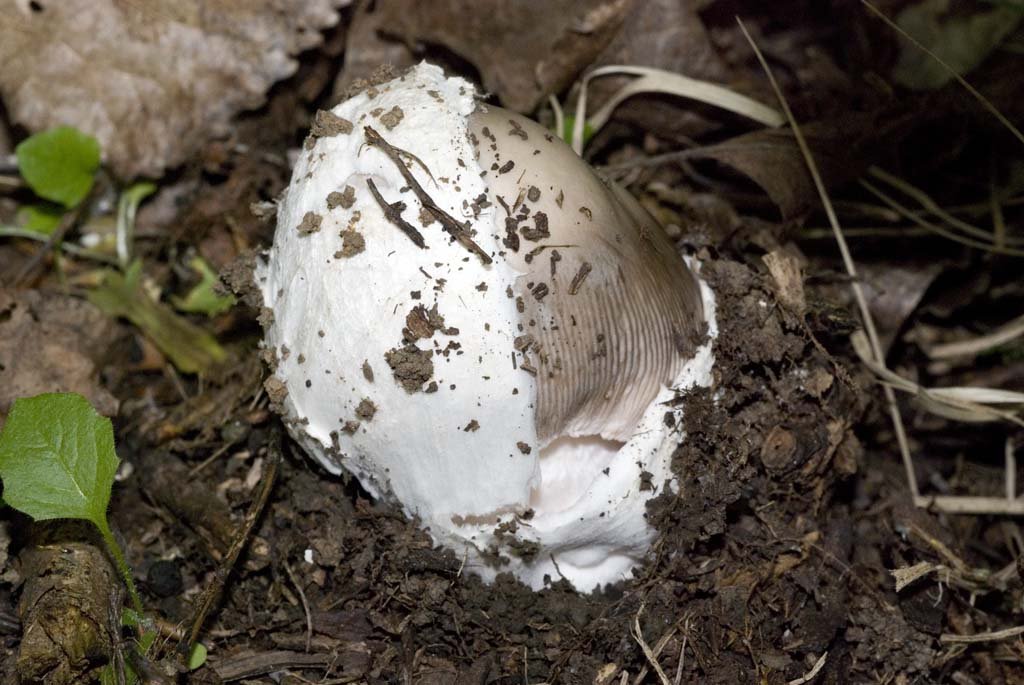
[[214, 589], [70, 248], [67, 222], [811, 674], [952, 638], [453, 227], [393, 213], [252, 665], [682, 652], [965, 504], [305, 605], [1011, 470]]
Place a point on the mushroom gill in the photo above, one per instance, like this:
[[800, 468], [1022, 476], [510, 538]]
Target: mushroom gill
[[610, 312]]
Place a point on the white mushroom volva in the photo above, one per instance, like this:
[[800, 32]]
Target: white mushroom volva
[[466, 318]]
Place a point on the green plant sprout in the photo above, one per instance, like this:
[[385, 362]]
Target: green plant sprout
[[59, 165], [57, 461], [203, 298]]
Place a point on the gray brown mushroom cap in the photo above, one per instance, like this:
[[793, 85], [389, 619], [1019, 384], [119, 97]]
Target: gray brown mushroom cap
[[610, 312]]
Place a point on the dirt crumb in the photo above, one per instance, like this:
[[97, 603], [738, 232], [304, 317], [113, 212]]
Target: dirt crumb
[[472, 426], [327, 124], [426, 217], [240, 277], [392, 117], [352, 243], [411, 366], [366, 409], [367, 371], [310, 223], [276, 391], [540, 230], [422, 323], [581, 275], [517, 130], [344, 199]]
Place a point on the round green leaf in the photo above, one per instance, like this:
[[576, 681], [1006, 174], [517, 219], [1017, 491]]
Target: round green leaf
[[197, 657], [57, 458], [59, 164]]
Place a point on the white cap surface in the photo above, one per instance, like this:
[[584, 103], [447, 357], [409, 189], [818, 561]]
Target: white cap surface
[[404, 364]]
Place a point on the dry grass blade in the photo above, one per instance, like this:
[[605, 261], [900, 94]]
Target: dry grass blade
[[937, 229], [652, 80], [1006, 333], [929, 205], [851, 269], [966, 404], [811, 674], [649, 654]]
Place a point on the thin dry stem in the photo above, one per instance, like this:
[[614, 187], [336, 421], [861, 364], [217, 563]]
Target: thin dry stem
[[851, 270], [950, 638], [811, 674]]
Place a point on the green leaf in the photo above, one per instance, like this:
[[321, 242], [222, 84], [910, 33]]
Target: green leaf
[[107, 675], [40, 218], [189, 347], [962, 39], [197, 657], [203, 298], [568, 124], [57, 458], [59, 164]]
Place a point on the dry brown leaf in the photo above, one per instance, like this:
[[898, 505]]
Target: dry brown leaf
[[52, 343], [894, 290], [524, 50], [367, 49], [841, 148], [151, 80]]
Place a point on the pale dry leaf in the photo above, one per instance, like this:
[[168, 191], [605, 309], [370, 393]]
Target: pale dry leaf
[[789, 282], [151, 80]]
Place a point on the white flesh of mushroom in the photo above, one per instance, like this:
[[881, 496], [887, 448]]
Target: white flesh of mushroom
[[477, 414]]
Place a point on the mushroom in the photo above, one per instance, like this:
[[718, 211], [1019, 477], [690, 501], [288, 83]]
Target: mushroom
[[467, 319]]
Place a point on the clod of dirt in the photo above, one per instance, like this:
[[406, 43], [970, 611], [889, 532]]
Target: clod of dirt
[[366, 409], [411, 366], [310, 223], [345, 199], [327, 124], [352, 243]]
